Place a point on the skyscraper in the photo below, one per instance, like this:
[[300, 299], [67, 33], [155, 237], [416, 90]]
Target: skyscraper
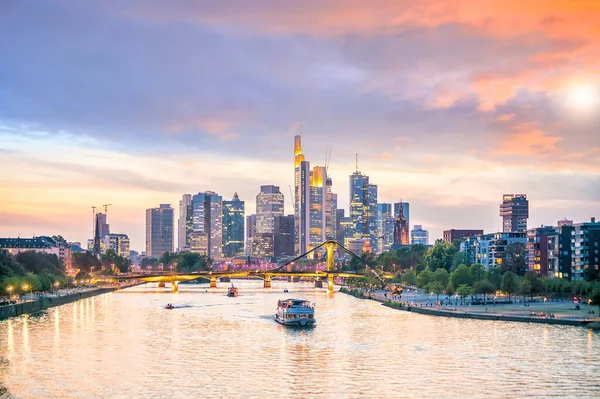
[[514, 210], [419, 236], [318, 206], [284, 236], [339, 233], [385, 227], [159, 230], [103, 227], [302, 197], [363, 208], [233, 227], [330, 210], [269, 204], [185, 224], [250, 233], [207, 214]]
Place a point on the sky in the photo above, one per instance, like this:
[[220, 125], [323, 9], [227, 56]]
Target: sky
[[449, 104]]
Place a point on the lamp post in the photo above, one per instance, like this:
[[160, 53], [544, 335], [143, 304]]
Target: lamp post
[[25, 287], [9, 289], [545, 300]]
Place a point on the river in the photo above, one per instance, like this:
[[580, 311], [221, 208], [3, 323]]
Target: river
[[126, 345]]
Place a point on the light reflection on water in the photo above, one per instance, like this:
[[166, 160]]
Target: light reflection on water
[[126, 345]]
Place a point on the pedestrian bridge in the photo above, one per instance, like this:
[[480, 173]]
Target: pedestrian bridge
[[319, 273]]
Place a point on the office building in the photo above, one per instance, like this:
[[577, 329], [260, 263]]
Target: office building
[[585, 250], [302, 197], [541, 250], [346, 231], [233, 227], [330, 211], [363, 208], [457, 234], [419, 236], [118, 243], [269, 204], [159, 230], [185, 223], [514, 211], [207, 222], [318, 207], [263, 245], [283, 241], [385, 227], [339, 233], [489, 249], [250, 233]]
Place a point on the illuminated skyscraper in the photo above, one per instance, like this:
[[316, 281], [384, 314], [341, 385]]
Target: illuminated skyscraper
[[302, 196], [159, 230], [207, 214], [269, 204], [185, 224], [385, 227], [363, 208], [330, 211], [233, 227], [318, 206]]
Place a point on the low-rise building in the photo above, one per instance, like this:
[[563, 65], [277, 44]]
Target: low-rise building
[[44, 244], [457, 234]]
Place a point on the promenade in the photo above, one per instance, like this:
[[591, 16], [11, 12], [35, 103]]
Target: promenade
[[562, 313]]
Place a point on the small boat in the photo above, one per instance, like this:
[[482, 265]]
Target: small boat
[[295, 312], [169, 306], [285, 290], [233, 291]]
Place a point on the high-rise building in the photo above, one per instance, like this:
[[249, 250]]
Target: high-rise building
[[330, 211], [318, 207], [363, 208], [103, 227], [269, 204], [339, 233], [346, 231], [405, 211], [489, 249], [585, 254], [233, 227], [457, 234], [263, 245], [118, 243], [385, 227], [185, 223], [514, 210], [284, 236], [419, 236], [250, 233], [302, 196], [207, 215], [159, 230]]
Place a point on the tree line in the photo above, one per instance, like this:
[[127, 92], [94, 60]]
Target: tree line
[[30, 271]]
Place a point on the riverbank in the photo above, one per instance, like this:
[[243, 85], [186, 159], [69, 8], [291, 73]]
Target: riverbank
[[464, 314], [39, 304]]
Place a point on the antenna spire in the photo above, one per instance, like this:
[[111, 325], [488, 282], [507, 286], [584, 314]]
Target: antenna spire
[[357, 162]]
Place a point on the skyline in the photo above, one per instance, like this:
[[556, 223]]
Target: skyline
[[448, 108]]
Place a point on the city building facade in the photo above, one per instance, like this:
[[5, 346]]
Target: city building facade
[[284, 240], [159, 230], [233, 227], [514, 211], [419, 236], [185, 223], [269, 204], [207, 221], [118, 243], [458, 234]]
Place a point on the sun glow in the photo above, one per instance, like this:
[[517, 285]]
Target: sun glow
[[583, 97]]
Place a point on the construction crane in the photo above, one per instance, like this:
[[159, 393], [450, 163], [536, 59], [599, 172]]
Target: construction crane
[[327, 157], [106, 208]]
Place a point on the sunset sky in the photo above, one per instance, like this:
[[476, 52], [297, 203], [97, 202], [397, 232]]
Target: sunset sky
[[449, 104]]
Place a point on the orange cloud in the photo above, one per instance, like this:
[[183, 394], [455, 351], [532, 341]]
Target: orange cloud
[[528, 141]]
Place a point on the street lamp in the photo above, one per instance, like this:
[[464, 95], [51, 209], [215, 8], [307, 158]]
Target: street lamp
[[545, 300], [9, 289], [25, 287]]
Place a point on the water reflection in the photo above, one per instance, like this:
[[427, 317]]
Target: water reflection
[[215, 346]]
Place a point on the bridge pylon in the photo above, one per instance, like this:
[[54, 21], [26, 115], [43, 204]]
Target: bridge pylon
[[175, 286], [213, 281], [267, 282]]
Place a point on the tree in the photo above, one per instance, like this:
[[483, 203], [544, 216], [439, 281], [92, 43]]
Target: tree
[[191, 262], [464, 291], [441, 255], [146, 263], [536, 285], [495, 277], [85, 261], [460, 258], [515, 259], [424, 278], [461, 276], [8, 266], [484, 287], [510, 283], [39, 262], [449, 289], [477, 272], [525, 288], [441, 276], [409, 277]]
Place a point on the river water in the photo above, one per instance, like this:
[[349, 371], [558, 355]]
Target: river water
[[126, 345]]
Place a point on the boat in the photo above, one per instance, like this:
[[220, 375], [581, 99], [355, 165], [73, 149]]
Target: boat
[[169, 306], [285, 290], [295, 312], [233, 291]]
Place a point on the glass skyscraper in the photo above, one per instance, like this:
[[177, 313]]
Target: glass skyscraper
[[207, 219], [363, 208], [159, 231], [233, 227]]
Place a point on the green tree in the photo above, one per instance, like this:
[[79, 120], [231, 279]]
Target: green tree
[[441, 255], [464, 291], [535, 282], [510, 283], [85, 261], [477, 272], [449, 289], [409, 277], [495, 277], [515, 259], [525, 288], [441, 276], [484, 287], [8, 266], [460, 258], [424, 278], [461, 276]]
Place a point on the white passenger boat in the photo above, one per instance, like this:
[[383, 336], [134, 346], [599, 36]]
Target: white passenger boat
[[295, 312]]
